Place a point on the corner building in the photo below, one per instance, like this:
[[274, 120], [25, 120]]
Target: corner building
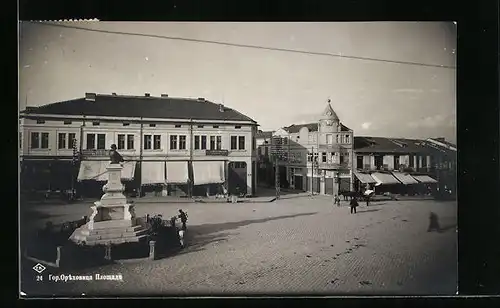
[[172, 146]]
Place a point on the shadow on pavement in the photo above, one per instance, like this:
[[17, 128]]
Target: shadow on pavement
[[366, 211], [198, 237], [271, 192]]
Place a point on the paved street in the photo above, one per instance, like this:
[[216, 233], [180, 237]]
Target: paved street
[[301, 244]]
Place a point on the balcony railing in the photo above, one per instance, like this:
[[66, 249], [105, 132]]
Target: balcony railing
[[343, 165]]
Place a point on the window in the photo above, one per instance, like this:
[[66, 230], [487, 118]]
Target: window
[[96, 123], [412, 161], [254, 143], [237, 126], [67, 122], [323, 157], [338, 141], [157, 142], [101, 141], [196, 142], [329, 139], [45, 141], [130, 142], [241, 142], [309, 157], [152, 125], [200, 126], [219, 143], [315, 159], [347, 139], [126, 124], [147, 142], [173, 142], [212, 142], [177, 125], [90, 141], [359, 162], [424, 161], [216, 126], [71, 140], [203, 142], [234, 142], [121, 142], [61, 141], [35, 140], [342, 158], [40, 121], [20, 140], [266, 151], [182, 142]]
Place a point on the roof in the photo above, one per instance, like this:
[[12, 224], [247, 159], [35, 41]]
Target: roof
[[363, 144], [441, 140], [263, 134], [140, 106], [329, 113], [313, 127]]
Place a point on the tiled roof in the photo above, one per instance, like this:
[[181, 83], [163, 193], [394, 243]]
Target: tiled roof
[[262, 134], [313, 127], [396, 145], [141, 106]]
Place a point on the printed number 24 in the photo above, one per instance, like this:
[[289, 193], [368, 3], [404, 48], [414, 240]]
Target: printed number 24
[[39, 278]]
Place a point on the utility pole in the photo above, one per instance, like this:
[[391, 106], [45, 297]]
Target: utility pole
[[276, 152], [312, 171], [74, 163], [141, 147], [277, 178]]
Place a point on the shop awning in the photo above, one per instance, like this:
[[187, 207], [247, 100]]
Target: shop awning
[[364, 178], [128, 171], [177, 172], [93, 170], [384, 178], [404, 178], [152, 172], [425, 179], [208, 172]]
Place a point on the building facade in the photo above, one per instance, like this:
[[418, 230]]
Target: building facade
[[403, 166], [319, 155], [178, 146]]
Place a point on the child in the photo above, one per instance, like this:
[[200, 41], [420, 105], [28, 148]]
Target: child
[[337, 200]]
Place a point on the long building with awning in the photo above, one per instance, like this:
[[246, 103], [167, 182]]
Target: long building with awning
[[178, 145]]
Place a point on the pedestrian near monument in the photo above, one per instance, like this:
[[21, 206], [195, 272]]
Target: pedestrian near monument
[[183, 217], [354, 205]]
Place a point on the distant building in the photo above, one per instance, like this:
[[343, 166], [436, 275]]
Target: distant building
[[318, 155], [404, 166], [175, 146], [264, 164]]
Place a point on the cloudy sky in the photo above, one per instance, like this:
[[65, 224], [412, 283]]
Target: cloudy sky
[[276, 88]]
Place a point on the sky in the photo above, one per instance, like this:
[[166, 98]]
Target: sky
[[275, 88]]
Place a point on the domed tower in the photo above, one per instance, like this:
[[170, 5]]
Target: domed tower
[[329, 121]]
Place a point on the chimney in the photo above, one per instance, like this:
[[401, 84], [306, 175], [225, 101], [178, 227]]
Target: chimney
[[90, 97], [221, 108], [147, 94], [114, 93], [164, 95]]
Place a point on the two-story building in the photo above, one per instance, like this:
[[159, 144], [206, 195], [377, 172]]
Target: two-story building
[[186, 146], [319, 155], [399, 165]]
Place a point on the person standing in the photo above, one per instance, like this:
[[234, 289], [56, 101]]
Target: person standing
[[183, 216], [336, 200], [354, 205]]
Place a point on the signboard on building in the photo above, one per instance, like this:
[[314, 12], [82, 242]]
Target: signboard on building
[[94, 152], [217, 152]]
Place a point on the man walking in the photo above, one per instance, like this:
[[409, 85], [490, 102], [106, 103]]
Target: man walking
[[354, 205], [183, 216]]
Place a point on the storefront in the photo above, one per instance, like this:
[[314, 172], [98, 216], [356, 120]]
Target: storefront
[[177, 178], [208, 177]]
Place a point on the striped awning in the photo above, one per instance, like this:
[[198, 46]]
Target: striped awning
[[384, 178], [364, 178], [425, 179], [404, 178]]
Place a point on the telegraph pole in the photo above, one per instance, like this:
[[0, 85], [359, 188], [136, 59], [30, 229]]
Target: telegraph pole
[[74, 163], [276, 152], [312, 171]]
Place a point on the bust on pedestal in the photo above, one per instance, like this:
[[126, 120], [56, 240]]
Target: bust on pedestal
[[113, 218]]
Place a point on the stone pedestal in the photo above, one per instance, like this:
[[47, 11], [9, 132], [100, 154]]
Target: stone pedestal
[[113, 218]]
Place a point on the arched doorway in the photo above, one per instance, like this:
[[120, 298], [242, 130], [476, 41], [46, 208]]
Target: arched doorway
[[237, 177]]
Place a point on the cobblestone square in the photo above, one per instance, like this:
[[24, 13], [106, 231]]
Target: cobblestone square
[[294, 245]]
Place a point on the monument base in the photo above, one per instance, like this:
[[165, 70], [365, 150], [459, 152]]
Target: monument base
[[109, 232]]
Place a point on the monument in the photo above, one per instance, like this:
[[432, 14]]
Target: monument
[[113, 218]]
